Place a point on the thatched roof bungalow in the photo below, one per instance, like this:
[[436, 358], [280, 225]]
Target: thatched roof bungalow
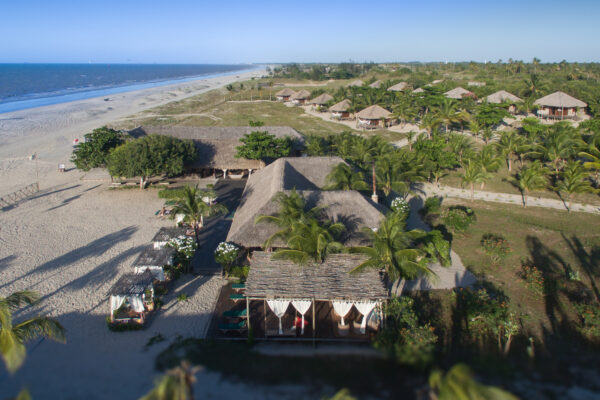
[[459, 93], [376, 85], [154, 260], [558, 105], [418, 90], [300, 97], [373, 116], [165, 234], [307, 175], [476, 83], [341, 110], [284, 94], [320, 102], [131, 298], [216, 145], [504, 97], [398, 87], [357, 83]]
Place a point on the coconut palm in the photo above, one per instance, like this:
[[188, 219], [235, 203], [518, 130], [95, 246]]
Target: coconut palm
[[13, 336], [459, 384], [461, 145], [475, 128], [487, 134], [394, 172], [574, 179], [557, 146], [447, 113], [592, 157], [315, 146], [430, 123], [534, 85], [176, 384], [508, 145], [474, 173], [191, 205], [394, 250], [533, 177], [488, 159], [313, 240], [343, 177], [292, 209]]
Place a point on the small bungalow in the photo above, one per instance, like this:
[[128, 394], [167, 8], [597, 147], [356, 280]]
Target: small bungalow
[[376, 84], [314, 300], [435, 82], [398, 87], [373, 117], [131, 299], [216, 146], [558, 105], [284, 94], [475, 83], [357, 83], [300, 97], [341, 110], [320, 102], [154, 261], [418, 90], [165, 234], [504, 97], [459, 93]]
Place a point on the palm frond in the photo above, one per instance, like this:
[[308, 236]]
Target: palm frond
[[18, 299], [40, 326]]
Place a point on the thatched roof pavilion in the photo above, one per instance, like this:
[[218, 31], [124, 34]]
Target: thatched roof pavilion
[[418, 90], [330, 280], [372, 117], [376, 84], [459, 93], [216, 145], [322, 99], [132, 284], [285, 94], [559, 105], [165, 234], [341, 110], [308, 176], [151, 257], [357, 82], [502, 96], [398, 87], [301, 95]]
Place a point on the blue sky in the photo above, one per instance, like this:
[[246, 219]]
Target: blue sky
[[181, 31]]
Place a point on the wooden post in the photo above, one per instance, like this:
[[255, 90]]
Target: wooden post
[[314, 321], [248, 315], [265, 312]]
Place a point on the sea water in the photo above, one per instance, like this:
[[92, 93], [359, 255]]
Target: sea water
[[25, 86]]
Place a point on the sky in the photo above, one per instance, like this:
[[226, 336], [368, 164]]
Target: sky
[[222, 31]]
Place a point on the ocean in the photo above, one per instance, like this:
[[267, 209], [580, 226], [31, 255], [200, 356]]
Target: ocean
[[25, 86]]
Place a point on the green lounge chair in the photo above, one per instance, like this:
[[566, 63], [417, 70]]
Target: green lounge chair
[[238, 286], [236, 296], [237, 327], [236, 313]]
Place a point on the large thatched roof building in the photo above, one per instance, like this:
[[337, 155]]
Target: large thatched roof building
[[308, 176], [284, 94], [459, 93], [373, 116], [216, 145], [559, 105]]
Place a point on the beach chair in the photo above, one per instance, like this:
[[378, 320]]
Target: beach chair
[[236, 296], [236, 327], [243, 313], [238, 287]]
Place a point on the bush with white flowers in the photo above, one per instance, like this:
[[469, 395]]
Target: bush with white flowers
[[185, 247], [400, 207], [226, 254]]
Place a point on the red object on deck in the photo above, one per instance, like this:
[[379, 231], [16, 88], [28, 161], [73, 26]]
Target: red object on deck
[[298, 323]]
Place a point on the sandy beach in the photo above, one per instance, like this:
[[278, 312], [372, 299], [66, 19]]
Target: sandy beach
[[72, 241]]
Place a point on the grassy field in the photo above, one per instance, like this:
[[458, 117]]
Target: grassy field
[[553, 241]]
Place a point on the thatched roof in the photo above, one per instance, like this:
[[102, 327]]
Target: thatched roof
[[285, 92], [216, 145], [154, 258], [373, 112], [418, 90], [458, 93], [357, 82], [376, 84], [398, 87], [307, 175], [322, 99], [560, 99], [435, 82], [165, 234], [342, 106], [476, 83], [132, 284], [502, 96], [330, 280], [301, 95]]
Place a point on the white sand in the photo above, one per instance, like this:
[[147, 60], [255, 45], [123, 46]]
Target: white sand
[[73, 240]]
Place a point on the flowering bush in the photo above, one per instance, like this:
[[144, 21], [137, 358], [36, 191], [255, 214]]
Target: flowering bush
[[495, 246], [400, 207], [226, 254], [533, 278], [185, 247], [458, 218], [590, 318]]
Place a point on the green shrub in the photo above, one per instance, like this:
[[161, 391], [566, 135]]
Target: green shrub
[[171, 193], [458, 218], [113, 327], [240, 272], [533, 277], [495, 246], [93, 152], [590, 320], [432, 205], [182, 297]]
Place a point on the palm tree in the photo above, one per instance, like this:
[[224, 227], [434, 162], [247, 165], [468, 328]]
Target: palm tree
[[393, 249], [190, 203], [488, 159], [461, 145], [395, 171], [14, 336], [474, 173], [508, 145], [534, 85], [430, 124], [475, 128], [447, 113], [533, 177], [487, 134], [176, 384], [315, 146], [557, 146], [459, 384], [574, 179], [342, 177], [592, 155], [313, 240]]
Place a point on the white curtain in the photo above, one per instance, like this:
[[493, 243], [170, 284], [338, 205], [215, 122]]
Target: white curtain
[[342, 308], [364, 308], [279, 308], [136, 303], [302, 307], [115, 302]]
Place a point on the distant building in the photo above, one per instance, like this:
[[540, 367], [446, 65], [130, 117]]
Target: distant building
[[376, 84], [398, 87], [300, 97], [504, 97], [475, 83], [558, 105], [284, 94], [459, 93], [320, 102], [357, 83]]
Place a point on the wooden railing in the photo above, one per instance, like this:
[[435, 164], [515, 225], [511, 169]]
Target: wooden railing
[[21, 194]]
